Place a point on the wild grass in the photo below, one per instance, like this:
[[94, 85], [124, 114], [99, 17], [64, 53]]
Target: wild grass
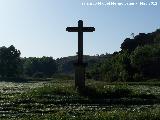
[[59, 100], [113, 114], [94, 91]]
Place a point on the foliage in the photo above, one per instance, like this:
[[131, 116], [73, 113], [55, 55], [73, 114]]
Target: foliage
[[146, 60], [138, 60], [10, 62], [141, 40], [116, 68], [39, 67], [66, 64]]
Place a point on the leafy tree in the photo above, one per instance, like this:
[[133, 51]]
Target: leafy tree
[[116, 68], [45, 66], [140, 40], [146, 60], [10, 62], [120, 69]]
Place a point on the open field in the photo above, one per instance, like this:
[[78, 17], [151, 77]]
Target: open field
[[57, 99]]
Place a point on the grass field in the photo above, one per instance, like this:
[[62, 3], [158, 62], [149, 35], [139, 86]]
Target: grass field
[[59, 100]]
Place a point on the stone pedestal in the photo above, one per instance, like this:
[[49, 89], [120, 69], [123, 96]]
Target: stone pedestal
[[80, 75]]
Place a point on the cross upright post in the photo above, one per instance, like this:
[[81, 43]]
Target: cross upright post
[[80, 65], [80, 42]]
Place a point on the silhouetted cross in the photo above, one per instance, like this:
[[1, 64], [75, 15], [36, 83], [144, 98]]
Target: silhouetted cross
[[80, 29]]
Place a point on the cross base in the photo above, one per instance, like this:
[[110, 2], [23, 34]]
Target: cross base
[[80, 75]]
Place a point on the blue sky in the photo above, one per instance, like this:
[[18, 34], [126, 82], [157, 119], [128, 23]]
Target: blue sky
[[37, 27]]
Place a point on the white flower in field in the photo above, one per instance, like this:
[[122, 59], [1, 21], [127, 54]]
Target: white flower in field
[[134, 109]]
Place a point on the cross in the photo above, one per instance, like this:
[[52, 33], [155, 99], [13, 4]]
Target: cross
[[80, 29], [80, 66]]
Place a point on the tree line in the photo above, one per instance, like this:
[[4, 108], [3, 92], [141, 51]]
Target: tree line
[[138, 59], [12, 65]]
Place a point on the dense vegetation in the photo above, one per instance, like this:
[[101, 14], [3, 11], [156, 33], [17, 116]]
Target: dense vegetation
[[138, 60], [39, 67], [12, 65], [10, 62]]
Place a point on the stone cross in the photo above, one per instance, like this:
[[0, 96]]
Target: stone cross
[[80, 65]]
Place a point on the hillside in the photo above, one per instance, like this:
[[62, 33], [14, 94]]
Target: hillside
[[138, 60], [65, 64]]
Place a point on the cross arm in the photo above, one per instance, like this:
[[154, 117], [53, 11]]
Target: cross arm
[[72, 29], [88, 29]]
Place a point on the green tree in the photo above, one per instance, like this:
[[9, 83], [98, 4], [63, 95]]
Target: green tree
[[115, 68], [45, 66], [146, 60], [140, 40], [10, 62]]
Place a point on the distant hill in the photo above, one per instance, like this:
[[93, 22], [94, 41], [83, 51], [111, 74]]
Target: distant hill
[[141, 40], [65, 64]]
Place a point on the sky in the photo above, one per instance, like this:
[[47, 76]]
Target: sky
[[38, 27]]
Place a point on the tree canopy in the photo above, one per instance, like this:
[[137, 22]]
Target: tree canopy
[[10, 62], [138, 60], [39, 67]]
